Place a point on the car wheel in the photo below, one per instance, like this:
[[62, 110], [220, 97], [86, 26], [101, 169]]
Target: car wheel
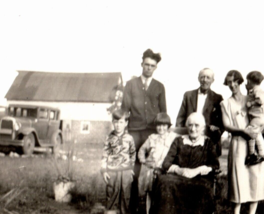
[[56, 145], [29, 144]]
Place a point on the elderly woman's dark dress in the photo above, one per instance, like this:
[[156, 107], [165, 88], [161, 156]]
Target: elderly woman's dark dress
[[178, 194]]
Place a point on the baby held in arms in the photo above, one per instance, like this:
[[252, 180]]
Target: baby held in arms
[[255, 104]]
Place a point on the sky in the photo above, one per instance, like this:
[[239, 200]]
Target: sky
[[110, 36]]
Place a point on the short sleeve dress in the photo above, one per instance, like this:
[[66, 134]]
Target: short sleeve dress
[[245, 183]]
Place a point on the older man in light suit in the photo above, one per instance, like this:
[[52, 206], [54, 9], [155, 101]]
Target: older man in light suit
[[207, 102]]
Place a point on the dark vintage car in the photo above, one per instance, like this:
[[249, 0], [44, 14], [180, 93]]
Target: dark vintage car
[[26, 127]]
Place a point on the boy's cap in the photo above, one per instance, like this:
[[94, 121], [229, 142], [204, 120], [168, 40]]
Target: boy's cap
[[163, 118]]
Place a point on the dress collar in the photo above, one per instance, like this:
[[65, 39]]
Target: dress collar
[[119, 135], [163, 137], [187, 141]]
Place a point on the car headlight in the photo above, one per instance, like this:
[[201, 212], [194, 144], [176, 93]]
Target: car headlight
[[16, 126]]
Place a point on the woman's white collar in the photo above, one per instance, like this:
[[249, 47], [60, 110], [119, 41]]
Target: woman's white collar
[[187, 141]]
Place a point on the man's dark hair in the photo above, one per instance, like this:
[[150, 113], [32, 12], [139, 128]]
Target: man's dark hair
[[237, 76], [149, 53], [255, 77], [120, 113]]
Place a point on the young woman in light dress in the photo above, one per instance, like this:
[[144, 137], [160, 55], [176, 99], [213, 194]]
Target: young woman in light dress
[[245, 183]]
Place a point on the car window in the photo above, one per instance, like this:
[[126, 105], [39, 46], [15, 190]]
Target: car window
[[58, 115], [32, 112], [11, 111], [24, 113], [43, 114], [18, 112], [52, 115]]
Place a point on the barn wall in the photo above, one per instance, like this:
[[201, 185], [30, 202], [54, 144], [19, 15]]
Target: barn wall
[[74, 110], [96, 133]]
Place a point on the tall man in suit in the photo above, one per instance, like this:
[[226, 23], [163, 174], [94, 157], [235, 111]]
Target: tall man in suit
[[144, 97], [207, 102]]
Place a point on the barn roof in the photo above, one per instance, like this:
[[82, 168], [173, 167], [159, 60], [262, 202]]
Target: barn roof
[[63, 87]]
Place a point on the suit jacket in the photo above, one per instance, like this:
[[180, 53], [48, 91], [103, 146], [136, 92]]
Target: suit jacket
[[211, 112], [143, 105]]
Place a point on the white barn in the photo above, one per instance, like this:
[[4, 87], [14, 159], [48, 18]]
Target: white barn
[[83, 99]]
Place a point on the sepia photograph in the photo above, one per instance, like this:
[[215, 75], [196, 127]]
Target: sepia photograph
[[131, 107]]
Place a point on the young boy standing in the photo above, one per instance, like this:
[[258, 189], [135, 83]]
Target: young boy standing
[[255, 104], [117, 163]]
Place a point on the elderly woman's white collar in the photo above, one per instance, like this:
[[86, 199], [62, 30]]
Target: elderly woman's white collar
[[187, 141]]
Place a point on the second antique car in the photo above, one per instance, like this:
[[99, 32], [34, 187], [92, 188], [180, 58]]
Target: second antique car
[[28, 126]]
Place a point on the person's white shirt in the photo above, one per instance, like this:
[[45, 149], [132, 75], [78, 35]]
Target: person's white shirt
[[200, 101], [146, 81]]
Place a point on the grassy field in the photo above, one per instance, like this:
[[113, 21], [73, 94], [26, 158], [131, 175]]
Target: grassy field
[[35, 177], [31, 180]]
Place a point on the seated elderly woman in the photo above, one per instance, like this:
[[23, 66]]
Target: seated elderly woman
[[187, 186]]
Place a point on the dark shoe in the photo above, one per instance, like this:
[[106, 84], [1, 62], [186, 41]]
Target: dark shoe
[[259, 159], [249, 159], [253, 159], [142, 205]]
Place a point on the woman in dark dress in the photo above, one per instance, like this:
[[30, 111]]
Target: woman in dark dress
[[187, 186]]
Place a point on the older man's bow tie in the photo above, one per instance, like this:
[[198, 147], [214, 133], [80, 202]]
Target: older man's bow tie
[[203, 92]]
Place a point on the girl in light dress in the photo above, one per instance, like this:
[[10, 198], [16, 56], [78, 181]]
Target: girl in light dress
[[152, 154]]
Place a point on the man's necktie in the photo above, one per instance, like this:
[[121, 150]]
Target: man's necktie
[[146, 86]]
